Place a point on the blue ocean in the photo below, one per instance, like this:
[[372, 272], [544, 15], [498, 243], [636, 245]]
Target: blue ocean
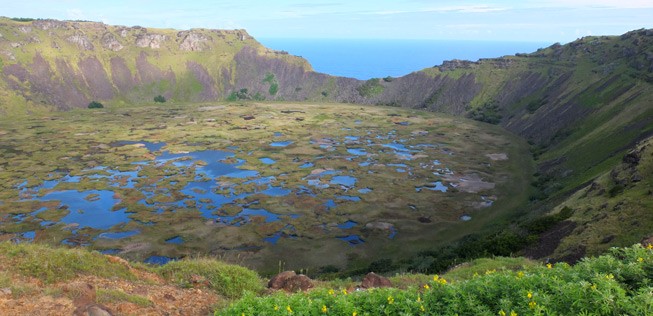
[[365, 59]]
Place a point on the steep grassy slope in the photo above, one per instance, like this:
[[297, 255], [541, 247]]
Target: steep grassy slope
[[614, 209]]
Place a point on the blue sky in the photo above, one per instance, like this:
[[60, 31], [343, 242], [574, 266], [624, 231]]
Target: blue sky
[[500, 20]]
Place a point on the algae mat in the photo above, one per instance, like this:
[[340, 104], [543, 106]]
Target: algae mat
[[263, 184]]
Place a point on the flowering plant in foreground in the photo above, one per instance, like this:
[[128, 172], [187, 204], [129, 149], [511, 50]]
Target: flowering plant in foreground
[[620, 282]]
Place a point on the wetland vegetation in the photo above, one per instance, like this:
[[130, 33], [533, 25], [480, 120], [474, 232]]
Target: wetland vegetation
[[305, 186]]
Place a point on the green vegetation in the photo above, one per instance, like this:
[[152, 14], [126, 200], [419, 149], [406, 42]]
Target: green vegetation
[[370, 88], [472, 269], [95, 105], [23, 19], [243, 94], [58, 264], [225, 279], [488, 112], [160, 99], [618, 283], [274, 84], [105, 296]]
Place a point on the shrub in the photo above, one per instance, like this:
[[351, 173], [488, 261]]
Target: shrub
[[618, 283], [95, 105], [370, 88], [242, 94], [274, 84], [381, 265], [274, 88], [488, 113], [226, 279], [23, 19], [160, 99]]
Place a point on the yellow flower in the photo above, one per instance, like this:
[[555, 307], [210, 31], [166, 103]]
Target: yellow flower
[[354, 314], [529, 295], [421, 307], [426, 286], [513, 313], [532, 305], [344, 291], [640, 259], [276, 308], [490, 271], [331, 292], [443, 281], [289, 309], [436, 277], [502, 313], [549, 266], [520, 274], [649, 246], [390, 300], [419, 299], [324, 309], [475, 274], [593, 287], [609, 276]]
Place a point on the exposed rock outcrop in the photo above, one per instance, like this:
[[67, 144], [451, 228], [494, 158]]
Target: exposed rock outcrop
[[280, 279], [298, 283], [193, 41], [49, 24], [373, 280], [110, 42], [291, 282], [153, 41], [81, 41]]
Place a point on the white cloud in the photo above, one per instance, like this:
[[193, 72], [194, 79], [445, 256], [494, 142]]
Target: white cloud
[[444, 9], [613, 4]]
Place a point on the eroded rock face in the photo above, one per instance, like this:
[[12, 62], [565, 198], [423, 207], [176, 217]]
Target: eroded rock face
[[48, 24], [449, 65], [82, 41], [193, 41], [153, 41], [110, 42], [372, 280]]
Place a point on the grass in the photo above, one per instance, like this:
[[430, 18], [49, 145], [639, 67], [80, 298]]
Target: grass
[[612, 206], [58, 264], [225, 279], [476, 267], [105, 296]]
